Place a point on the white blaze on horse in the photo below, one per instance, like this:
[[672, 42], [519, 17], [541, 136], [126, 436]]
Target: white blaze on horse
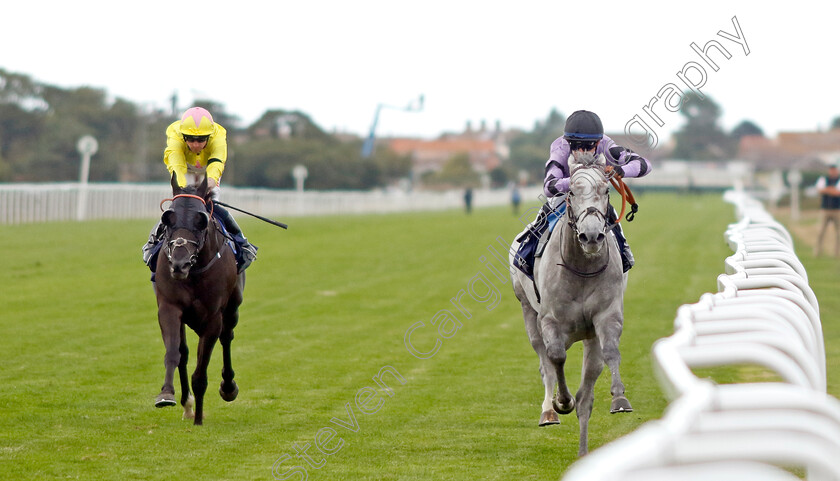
[[577, 295]]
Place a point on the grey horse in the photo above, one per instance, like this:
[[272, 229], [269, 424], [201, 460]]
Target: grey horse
[[577, 295]]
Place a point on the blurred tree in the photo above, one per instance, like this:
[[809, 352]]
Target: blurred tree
[[456, 172], [268, 162], [151, 142], [22, 116], [20, 131], [87, 111], [499, 177], [531, 159], [71, 114], [390, 166], [835, 123], [745, 128], [701, 138], [284, 124], [40, 125], [218, 111], [5, 168], [529, 150]]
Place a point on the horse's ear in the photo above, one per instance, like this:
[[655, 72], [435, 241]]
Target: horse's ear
[[176, 189], [202, 188]]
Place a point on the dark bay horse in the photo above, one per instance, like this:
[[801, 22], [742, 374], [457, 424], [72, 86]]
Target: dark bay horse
[[580, 282], [196, 285]]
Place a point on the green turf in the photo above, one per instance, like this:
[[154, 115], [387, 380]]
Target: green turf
[[327, 307]]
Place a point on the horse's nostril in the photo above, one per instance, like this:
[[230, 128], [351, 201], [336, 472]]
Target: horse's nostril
[[584, 238]]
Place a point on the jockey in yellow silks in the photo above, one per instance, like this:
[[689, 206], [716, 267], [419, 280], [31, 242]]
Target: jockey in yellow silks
[[197, 147]]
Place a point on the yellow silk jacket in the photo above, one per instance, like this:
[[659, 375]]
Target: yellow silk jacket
[[179, 158]]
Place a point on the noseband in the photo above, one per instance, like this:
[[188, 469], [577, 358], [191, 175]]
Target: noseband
[[182, 242]]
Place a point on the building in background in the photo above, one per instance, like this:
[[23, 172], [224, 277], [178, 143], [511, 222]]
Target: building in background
[[803, 150], [486, 150]]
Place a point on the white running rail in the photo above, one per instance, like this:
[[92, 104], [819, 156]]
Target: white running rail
[[25, 203]]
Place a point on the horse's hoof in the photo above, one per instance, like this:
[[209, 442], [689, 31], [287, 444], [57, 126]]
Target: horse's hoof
[[548, 418], [620, 404], [165, 400], [563, 408], [189, 408], [228, 396]]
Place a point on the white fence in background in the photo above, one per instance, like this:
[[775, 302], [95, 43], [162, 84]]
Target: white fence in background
[[23, 203], [684, 174], [764, 313]]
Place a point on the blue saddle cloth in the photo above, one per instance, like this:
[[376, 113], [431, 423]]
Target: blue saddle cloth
[[529, 242], [231, 240]]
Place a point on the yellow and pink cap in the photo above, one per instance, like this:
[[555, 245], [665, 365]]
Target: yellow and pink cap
[[197, 121]]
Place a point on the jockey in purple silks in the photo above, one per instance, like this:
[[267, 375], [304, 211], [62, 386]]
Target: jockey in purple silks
[[626, 162], [584, 132]]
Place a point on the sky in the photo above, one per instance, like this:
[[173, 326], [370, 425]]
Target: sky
[[510, 62]]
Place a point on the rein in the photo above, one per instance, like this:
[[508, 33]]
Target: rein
[[209, 264], [626, 195], [216, 257]]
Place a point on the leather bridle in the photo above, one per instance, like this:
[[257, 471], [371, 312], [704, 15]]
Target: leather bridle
[[182, 242]]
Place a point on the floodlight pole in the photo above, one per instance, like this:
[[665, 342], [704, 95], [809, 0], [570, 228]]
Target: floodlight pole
[[367, 148]]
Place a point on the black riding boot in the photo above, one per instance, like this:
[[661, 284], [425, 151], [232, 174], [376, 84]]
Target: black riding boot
[[627, 259], [247, 252]]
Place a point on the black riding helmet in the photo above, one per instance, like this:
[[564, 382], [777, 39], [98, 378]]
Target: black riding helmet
[[583, 129]]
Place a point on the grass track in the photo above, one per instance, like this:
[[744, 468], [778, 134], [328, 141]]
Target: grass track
[[327, 306]]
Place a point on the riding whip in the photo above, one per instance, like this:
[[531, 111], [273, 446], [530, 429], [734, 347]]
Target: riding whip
[[264, 219]]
